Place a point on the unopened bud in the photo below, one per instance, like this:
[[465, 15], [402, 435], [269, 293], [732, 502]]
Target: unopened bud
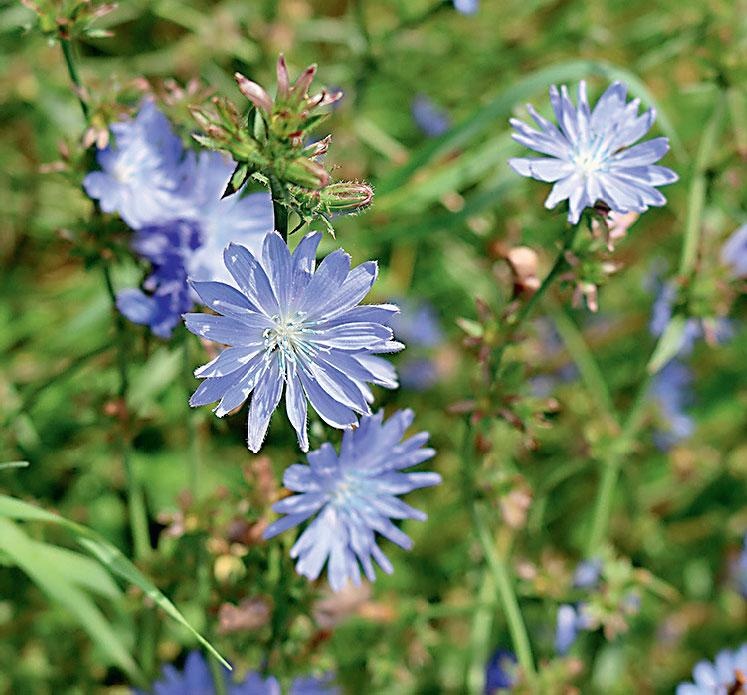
[[253, 92], [301, 88], [283, 79], [307, 173], [346, 196]]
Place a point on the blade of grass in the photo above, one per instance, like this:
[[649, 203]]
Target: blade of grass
[[109, 555]]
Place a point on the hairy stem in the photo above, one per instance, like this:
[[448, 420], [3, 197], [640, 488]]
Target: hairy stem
[[279, 209]]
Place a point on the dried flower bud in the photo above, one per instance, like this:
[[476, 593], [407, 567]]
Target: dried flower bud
[[346, 196], [524, 262], [250, 614]]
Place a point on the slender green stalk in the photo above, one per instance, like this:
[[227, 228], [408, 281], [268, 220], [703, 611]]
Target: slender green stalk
[[137, 512], [279, 209], [67, 52], [557, 268], [503, 582], [583, 358], [482, 625], [194, 439], [611, 471], [216, 672], [698, 187]]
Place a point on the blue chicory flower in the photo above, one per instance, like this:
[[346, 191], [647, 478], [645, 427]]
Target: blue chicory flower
[[196, 679], [672, 389], [144, 172], [570, 619], [661, 314], [416, 324], [734, 252], [238, 218], [354, 496], [432, 120], [500, 673], [722, 677], [467, 6], [590, 157], [418, 373], [587, 573], [293, 326], [167, 247]]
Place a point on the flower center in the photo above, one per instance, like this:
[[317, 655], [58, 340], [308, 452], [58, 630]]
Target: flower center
[[588, 161], [288, 339]]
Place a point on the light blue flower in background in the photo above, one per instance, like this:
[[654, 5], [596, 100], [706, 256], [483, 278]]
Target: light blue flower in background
[[500, 674], [587, 574], [722, 677], [296, 327], [354, 496], [672, 389], [589, 153], [734, 252], [196, 679], [570, 619], [167, 247], [432, 120], [144, 173], [239, 218], [467, 6]]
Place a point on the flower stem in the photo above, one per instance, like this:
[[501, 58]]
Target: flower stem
[[194, 440], [698, 188], [279, 210], [136, 508], [67, 52], [502, 578], [612, 464]]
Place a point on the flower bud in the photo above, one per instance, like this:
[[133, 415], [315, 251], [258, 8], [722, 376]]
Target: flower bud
[[346, 196], [306, 172], [252, 91], [283, 79]]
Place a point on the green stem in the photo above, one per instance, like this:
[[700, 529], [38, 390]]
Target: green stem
[[558, 267], [502, 578], [279, 209], [194, 440], [583, 358], [67, 52], [217, 674], [138, 514], [698, 188], [612, 464]]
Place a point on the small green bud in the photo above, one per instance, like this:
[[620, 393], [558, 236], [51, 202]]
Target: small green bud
[[346, 196]]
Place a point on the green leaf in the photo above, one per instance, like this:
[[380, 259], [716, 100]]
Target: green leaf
[[669, 344], [42, 567], [109, 555]]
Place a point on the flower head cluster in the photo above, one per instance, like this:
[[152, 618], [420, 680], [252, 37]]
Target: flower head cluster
[[196, 679], [726, 675], [275, 146], [354, 495], [173, 201], [591, 154], [296, 327], [569, 621]]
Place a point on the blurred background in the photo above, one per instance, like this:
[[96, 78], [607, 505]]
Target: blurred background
[[428, 93]]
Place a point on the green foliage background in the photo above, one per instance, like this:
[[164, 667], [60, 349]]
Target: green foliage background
[[444, 209]]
